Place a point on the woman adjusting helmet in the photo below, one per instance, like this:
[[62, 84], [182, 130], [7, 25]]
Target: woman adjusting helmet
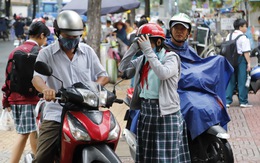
[[180, 22], [155, 33], [68, 27]]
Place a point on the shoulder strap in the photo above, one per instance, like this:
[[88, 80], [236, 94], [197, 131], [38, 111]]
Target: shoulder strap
[[230, 36], [239, 36], [35, 49]]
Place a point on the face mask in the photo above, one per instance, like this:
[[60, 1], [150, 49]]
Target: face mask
[[69, 43]]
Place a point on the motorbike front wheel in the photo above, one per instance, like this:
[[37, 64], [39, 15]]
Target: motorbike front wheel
[[218, 150]]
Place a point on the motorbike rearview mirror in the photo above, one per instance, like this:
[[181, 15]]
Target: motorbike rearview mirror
[[45, 69], [128, 73]]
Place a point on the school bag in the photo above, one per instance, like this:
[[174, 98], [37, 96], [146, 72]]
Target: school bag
[[228, 49], [21, 73]]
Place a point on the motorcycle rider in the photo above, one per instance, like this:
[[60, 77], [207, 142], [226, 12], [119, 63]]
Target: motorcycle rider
[[161, 131], [205, 78], [71, 62]]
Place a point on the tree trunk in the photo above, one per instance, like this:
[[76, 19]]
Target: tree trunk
[[94, 25], [7, 7], [147, 8], [34, 9], [132, 16]]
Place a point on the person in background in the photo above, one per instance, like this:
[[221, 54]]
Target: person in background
[[77, 63], [121, 31], [19, 27], [239, 77], [121, 36], [161, 23], [161, 131], [23, 106], [107, 31], [84, 34], [129, 29], [144, 17]]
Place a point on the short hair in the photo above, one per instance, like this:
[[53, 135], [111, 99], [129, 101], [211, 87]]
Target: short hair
[[37, 28], [259, 18], [128, 21], [143, 16], [109, 21], [160, 21], [142, 22], [239, 23]]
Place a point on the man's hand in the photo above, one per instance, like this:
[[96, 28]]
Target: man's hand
[[49, 94]]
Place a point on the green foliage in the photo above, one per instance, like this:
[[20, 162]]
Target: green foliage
[[255, 6], [184, 6]]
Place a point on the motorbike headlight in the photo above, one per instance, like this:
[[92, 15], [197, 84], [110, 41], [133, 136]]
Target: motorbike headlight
[[77, 130], [114, 129], [102, 98], [89, 97]]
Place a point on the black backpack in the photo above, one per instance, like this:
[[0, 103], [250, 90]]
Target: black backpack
[[21, 73], [228, 49]]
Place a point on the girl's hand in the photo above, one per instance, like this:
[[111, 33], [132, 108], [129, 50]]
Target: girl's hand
[[144, 43]]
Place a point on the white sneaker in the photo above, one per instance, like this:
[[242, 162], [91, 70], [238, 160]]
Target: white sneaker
[[227, 105], [245, 106]]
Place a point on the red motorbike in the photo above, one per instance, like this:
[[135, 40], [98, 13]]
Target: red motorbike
[[87, 134]]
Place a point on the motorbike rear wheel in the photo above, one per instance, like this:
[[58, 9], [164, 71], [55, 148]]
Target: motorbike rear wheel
[[208, 148], [218, 150]]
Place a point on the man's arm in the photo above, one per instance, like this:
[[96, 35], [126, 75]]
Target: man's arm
[[39, 84], [247, 57], [103, 80]]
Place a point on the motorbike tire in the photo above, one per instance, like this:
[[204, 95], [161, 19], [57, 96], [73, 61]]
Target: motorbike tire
[[221, 147], [111, 68]]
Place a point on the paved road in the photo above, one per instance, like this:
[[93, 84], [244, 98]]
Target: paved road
[[244, 126]]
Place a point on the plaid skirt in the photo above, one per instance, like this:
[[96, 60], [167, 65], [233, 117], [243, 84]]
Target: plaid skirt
[[161, 139], [24, 118]]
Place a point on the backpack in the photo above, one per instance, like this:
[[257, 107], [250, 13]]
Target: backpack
[[228, 49], [21, 73]]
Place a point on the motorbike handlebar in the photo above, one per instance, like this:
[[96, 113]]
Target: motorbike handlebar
[[119, 101], [40, 95]]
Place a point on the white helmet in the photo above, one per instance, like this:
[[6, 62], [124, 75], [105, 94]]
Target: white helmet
[[181, 18], [69, 22]]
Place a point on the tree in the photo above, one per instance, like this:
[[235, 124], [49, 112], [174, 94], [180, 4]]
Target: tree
[[94, 25], [147, 8], [7, 7], [34, 9]]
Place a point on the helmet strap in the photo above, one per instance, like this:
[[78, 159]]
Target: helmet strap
[[56, 28]]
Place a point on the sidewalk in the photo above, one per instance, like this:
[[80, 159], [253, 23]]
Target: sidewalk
[[7, 138], [244, 129]]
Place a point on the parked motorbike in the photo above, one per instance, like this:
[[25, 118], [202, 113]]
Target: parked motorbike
[[211, 146], [255, 72], [87, 134]]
